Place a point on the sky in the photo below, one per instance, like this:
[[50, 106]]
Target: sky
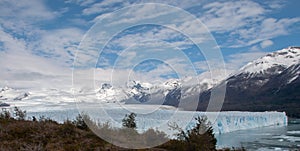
[[41, 41]]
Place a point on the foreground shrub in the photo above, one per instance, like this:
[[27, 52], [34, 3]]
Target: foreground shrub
[[199, 138], [5, 115], [19, 114], [129, 121], [79, 121]]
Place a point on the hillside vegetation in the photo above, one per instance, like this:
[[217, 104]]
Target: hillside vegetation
[[17, 133]]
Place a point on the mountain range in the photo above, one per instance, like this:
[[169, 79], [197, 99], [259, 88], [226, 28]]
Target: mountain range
[[269, 83]]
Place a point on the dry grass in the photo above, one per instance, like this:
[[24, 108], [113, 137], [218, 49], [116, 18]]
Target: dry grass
[[48, 135]]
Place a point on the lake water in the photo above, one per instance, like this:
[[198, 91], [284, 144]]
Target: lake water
[[265, 138]]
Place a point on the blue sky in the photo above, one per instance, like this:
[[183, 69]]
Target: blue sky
[[40, 37]]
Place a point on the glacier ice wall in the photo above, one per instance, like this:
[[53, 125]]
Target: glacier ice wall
[[233, 121], [222, 122]]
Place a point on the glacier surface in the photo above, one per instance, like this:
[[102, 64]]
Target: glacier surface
[[223, 122], [161, 117]]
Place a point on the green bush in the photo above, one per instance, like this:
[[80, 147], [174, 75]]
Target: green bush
[[5, 115], [199, 138], [129, 121], [80, 123], [20, 115]]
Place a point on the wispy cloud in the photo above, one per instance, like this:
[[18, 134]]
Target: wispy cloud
[[20, 17], [81, 2], [108, 6], [33, 57], [60, 44], [104, 6], [266, 43], [246, 22], [22, 69], [34, 9], [231, 15], [268, 29], [153, 36], [236, 61]]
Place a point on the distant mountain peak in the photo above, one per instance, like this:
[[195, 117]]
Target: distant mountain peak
[[5, 88], [106, 86], [172, 84]]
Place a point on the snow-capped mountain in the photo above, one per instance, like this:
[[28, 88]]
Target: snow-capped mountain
[[169, 92], [107, 93], [7, 93], [258, 72], [139, 91], [172, 92], [268, 83], [272, 63]]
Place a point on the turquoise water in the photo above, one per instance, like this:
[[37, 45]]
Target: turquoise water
[[265, 138]]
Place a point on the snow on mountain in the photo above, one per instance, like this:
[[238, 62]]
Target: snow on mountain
[[193, 86], [135, 90], [139, 91], [294, 73], [167, 93], [171, 84], [172, 90], [22, 96], [6, 88], [7, 93], [258, 72], [107, 93], [272, 63]]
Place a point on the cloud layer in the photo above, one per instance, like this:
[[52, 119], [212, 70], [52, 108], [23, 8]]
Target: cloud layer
[[38, 40]]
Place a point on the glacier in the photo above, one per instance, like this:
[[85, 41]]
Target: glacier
[[233, 121], [224, 122], [161, 117]]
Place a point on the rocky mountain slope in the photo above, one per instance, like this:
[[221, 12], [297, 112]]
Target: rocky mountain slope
[[269, 83]]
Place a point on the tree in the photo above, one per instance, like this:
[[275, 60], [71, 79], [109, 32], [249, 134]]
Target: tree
[[199, 138], [129, 121], [20, 115], [80, 123], [5, 115]]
